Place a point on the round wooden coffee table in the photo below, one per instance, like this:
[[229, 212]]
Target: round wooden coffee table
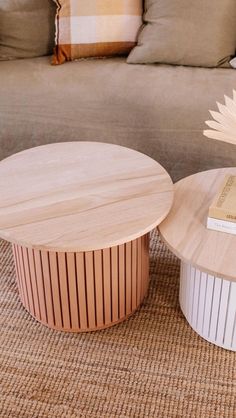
[[78, 215], [208, 268]]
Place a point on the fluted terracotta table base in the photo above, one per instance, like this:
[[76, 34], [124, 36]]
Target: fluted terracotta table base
[[83, 291]]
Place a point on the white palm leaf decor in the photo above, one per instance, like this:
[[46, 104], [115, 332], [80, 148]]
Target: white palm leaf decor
[[223, 127]]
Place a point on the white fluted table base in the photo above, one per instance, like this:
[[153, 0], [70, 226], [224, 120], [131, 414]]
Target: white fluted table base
[[209, 305]]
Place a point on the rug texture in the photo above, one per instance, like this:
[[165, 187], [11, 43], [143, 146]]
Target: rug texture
[[152, 365]]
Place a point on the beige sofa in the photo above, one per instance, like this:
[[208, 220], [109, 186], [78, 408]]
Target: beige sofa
[[157, 109]]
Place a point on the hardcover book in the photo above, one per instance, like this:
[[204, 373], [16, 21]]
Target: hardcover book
[[224, 204], [221, 225]]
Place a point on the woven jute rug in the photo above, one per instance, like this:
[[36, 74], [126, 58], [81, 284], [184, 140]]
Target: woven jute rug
[[152, 365]]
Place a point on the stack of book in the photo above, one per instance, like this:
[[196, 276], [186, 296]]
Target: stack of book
[[222, 212]]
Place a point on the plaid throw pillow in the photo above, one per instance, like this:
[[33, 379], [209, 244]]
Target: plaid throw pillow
[[96, 28]]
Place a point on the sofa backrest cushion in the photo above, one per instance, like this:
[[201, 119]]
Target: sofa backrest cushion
[[187, 32], [96, 28], [27, 28]]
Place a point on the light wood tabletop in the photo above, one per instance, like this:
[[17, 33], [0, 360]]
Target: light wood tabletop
[[81, 196], [185, 232]]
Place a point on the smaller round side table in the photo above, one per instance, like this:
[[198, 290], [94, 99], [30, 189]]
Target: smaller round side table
[[78, 215], [208, 259]]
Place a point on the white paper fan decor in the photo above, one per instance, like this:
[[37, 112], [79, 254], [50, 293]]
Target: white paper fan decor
[[223, 127]]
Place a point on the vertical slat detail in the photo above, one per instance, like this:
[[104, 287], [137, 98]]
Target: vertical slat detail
[[191, 292], [147, 261], [145, 264], [47, 287], [34, 283], [22, 275], [128, 277], [232, 318], [72, 284], [139, 271], [122, 293], [40, 284], [196, 296], [81, 288], [222, 310], [62, 270], [18, 278], [90, 290], [233, 340], [114, 284], [99, 287], [229, 323], [28, 280], [134, 273], [201, 300], [56, 294], [107, 285], [215, 308]]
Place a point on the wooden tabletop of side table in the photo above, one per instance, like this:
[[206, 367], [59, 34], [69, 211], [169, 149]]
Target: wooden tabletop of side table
[[208, 258], [78, 215], [81, 196], [185, 232]]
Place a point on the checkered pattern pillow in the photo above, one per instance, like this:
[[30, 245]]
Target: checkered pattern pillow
[[96, 28]]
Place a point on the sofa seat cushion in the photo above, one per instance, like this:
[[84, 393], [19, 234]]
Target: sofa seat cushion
[[157, 109]]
